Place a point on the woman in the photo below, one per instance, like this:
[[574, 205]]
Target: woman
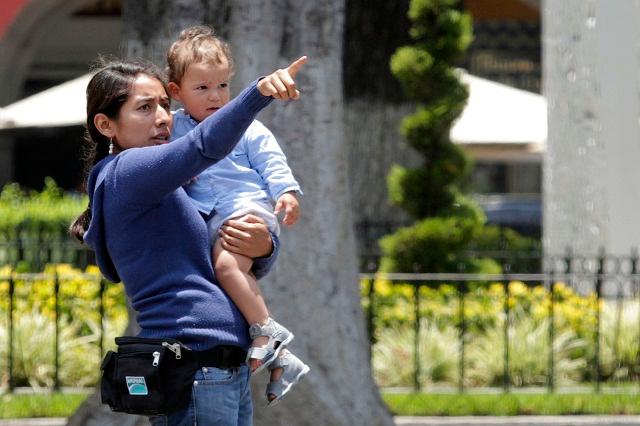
[[147, 233]]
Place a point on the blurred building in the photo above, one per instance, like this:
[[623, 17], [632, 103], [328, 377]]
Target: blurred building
[[507, 49], [45, 43]]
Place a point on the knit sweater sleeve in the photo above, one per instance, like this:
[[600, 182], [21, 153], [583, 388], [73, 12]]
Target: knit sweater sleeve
[[262, 265], [145, 175]]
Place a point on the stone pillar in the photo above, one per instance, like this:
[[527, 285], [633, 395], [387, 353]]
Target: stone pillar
[[591, 80]]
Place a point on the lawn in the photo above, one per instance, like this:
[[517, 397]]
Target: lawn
[[13, 406], [511, 404], [16, 406]]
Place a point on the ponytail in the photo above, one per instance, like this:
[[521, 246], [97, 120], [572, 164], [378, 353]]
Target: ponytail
[[79, 226]]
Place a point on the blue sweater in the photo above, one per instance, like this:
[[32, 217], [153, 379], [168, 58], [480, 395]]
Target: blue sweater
[[147, 233]]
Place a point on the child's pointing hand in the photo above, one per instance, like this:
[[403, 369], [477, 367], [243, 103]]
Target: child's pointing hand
[[280, 83]]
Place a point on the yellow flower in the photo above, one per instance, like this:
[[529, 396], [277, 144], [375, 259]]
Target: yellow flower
[[92, 270], [496, 289], [383, 287], [540, 291], [518, 288], [5, 271]]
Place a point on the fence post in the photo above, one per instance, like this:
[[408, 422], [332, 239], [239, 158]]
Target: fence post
[[552, 332], [102, 320], [416, 347], [56, 290], [10, 340], [596, 355], [48, 242], [463, 329], [81, 257], [634, 283], [20, 246], [507, 314], [568, 259]]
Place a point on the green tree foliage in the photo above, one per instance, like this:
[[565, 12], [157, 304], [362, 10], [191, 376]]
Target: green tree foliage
[[447, 222]]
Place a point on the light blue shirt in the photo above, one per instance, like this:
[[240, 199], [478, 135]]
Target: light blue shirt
[[256, 171]]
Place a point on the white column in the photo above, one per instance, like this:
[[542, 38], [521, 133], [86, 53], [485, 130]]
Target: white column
[[591, 80]]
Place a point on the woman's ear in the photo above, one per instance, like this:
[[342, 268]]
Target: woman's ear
[[104, 125], [174, 91]]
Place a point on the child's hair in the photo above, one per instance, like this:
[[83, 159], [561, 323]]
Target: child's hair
[[194, 45]]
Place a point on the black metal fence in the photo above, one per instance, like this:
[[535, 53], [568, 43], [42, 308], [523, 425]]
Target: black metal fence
[[24, 254], [601, 276], [58, 280]]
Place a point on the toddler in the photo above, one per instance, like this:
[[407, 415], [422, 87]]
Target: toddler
[[251, 180]]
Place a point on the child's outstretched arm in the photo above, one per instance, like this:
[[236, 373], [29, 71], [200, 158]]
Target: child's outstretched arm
[[280, 85]]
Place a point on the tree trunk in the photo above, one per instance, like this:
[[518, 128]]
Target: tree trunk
[[314, 287]]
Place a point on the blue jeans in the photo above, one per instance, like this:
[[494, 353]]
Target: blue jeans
[[218, 397]]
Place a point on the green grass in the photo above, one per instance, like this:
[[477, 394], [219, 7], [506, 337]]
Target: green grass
[[510, 404], [16, 406]]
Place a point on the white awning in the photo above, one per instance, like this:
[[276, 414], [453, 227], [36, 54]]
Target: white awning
[[496, 116], [62, 105], [499, 114]]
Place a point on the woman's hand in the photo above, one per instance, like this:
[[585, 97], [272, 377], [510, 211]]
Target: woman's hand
[[280, 84], [247, 235]]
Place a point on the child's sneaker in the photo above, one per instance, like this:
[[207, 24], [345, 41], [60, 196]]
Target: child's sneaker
[[278, 336], [292, 371]]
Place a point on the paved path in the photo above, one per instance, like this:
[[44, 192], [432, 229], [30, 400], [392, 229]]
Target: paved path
[[50, 421], [520, 420], [438, 421]]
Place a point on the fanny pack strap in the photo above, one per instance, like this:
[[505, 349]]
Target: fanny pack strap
[[223, 356]]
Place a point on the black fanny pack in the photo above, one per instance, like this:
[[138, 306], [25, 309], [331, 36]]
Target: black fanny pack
[[155, 376], [148, 376]]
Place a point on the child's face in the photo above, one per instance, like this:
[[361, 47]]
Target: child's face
[[204, 89]]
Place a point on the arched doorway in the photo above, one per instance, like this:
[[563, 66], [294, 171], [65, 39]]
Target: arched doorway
[[45, 43], [54, 40]]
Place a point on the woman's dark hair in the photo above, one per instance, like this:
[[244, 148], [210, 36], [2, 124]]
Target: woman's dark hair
[[107, 91]]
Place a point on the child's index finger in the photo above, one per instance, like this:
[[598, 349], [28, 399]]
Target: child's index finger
[[296, 65]]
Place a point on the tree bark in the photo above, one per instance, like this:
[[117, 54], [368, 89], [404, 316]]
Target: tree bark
[[314, 287]]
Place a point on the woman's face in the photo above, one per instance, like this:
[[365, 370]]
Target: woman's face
[[145, 118]]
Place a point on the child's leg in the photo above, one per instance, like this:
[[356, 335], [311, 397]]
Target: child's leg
[[233, 271]]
